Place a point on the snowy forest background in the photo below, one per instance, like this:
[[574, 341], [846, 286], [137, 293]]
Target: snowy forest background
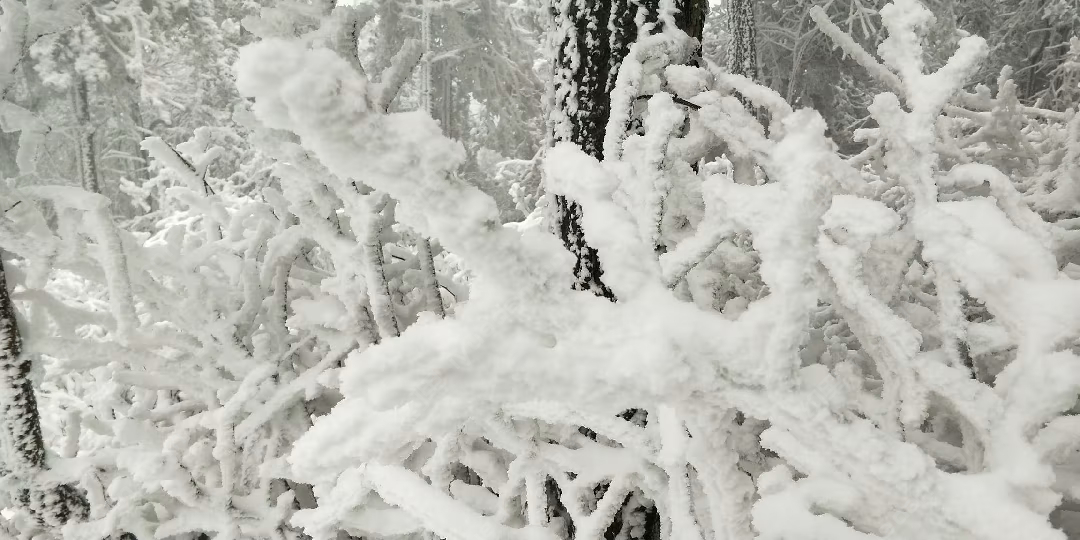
[[540, 269]]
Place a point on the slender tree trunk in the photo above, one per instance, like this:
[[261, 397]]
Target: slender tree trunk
[[742, 60], [52, 506], [88, 168], [142, 164], [691, 19], [742, 57]]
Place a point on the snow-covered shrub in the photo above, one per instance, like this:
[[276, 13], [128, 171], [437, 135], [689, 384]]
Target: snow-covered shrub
[[460, 426], [874, 346], [216, 338]]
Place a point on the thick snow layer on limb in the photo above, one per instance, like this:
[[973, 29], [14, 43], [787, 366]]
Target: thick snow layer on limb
[[588, 358], [450, 518], [316, 94], [629, 264], [460, 364], [873, 347]]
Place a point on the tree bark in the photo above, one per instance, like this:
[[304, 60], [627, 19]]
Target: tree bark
[[742, 60], [691, 19], [584, 65], [52, 506], [88, 168], [742, 57], [594, 38]]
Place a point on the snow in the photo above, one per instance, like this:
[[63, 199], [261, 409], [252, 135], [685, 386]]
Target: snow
[[802, 344]]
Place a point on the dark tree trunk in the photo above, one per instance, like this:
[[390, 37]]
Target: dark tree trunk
[[52, 506], [742, 60], [691, 19], [584, 67], [18, 405], [742, 57], [141, 167], [596, 36], [88, 169]]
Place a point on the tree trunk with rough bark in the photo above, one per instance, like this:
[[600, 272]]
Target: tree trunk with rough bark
[[691, 19], [742, 57], [592, 39], [584, 64], [742, 60], [742, 54], [24, 449], [88, 169]]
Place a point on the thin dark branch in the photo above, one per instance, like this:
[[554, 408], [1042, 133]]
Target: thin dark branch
[[676, 99]]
